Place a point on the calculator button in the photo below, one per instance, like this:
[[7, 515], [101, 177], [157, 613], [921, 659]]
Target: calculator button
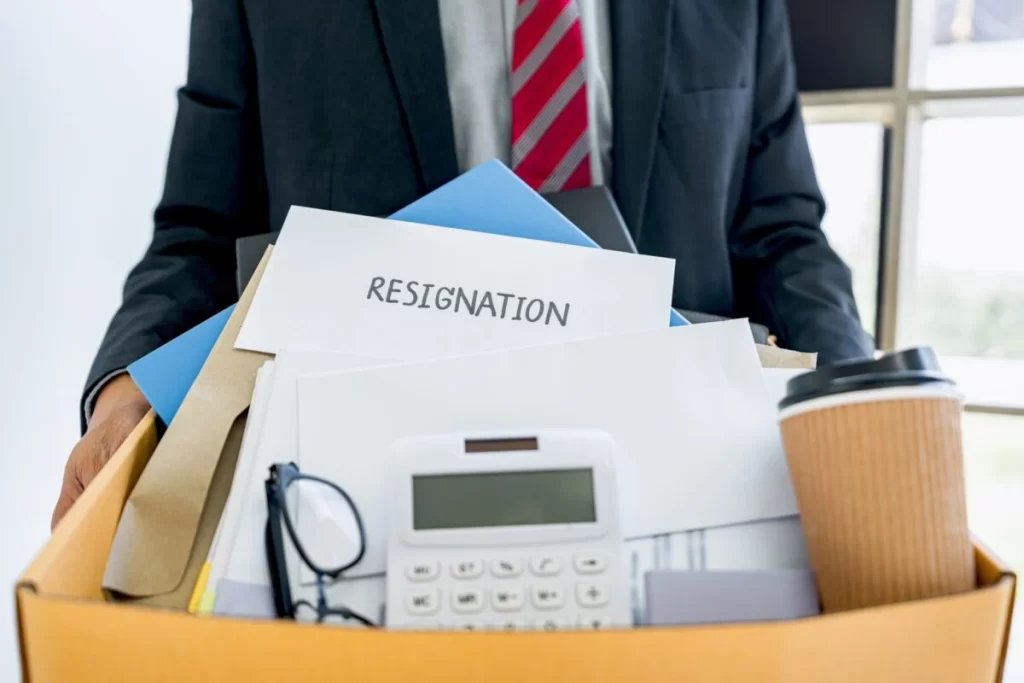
[[421, 626], [592, 594], [467, 569], [507, 599], [423, 571], [423, 602], [590, 563], [469, 626], [506, 568], [510, 625], [545, 566], [596, 623], [548, 596], [550, 624], [468, 601]]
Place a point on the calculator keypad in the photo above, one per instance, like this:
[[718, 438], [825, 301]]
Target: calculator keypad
[[545, 566], [469, 626], [510, 625], [468, 601], [423, 571], [423, 602], [550, 624], [506, 568], [595, 623], [590, 563], [509, 599], [591, 594], [548, 596], [539, 592], [467, 569]]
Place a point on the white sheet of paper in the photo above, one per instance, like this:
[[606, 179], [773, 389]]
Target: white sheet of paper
[[256, 600], [775, 380], [768, 544], [278, 442], [763, 545], [227, 529], [639, 558], [687, 406], [342, 282]]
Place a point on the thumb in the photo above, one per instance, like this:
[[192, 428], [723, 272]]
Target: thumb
[[71, 488]]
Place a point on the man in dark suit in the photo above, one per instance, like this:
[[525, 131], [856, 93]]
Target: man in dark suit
[[688, 110]]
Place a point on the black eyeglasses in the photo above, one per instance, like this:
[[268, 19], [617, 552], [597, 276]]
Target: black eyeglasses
[[326, 530]]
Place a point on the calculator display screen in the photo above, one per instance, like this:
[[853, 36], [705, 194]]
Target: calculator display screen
[[490, 499]]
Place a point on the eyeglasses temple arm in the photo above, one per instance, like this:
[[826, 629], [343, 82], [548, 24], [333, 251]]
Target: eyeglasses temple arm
[[276, 563]]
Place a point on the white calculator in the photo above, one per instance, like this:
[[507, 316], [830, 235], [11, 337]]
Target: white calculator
[[500, 532]]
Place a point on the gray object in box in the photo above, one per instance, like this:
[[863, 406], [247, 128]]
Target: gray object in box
[[677, 598]]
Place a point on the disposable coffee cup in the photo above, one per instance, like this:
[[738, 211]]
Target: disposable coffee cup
[[875, 452]]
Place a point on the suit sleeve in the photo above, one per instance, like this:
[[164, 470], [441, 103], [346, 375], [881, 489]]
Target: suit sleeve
[[214, 192], [786, 274]]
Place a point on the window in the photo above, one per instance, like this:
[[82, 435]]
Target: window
[[922, 182], [848, 163], [974, 43], [994, 462], [968, 294]]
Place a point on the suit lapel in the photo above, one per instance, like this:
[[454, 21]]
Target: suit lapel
[[411, 31], [640, 38]]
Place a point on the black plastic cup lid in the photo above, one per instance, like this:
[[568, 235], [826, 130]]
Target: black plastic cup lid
[[911, 367]]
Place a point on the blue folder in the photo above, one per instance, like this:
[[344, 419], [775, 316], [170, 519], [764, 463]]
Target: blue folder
[[166, 374], [489, 198]]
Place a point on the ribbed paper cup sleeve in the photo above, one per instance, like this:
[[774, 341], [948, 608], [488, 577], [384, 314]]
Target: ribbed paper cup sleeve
[[880, 487]]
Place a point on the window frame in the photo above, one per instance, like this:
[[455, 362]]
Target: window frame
[[902, 110]]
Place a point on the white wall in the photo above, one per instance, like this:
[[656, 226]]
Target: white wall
[[87, 102]]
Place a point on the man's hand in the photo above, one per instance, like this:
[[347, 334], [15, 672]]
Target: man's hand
[[119, 408]]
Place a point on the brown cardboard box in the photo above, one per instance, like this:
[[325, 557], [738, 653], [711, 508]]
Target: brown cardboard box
[[68, 633]]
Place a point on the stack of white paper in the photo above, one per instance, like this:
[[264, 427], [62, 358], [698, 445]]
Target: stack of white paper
[[358, 290], [385, 330], [227, 529], [242, 586], [688, 408]]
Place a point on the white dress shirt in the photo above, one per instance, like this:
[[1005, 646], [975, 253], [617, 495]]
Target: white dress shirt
[[478, 37]]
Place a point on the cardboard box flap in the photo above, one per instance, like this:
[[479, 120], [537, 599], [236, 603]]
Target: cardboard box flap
[[962, 636], [918, 641], [155, 537], [72, 562], [993, 572], [990, 568]]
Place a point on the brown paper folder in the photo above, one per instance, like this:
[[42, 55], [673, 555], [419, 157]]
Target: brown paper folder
[[169, 520], [216, 499]]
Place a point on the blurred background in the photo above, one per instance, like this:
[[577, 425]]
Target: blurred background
[[915, 112]]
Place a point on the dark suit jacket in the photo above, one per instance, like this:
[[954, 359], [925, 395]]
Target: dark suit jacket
[[344, 105]]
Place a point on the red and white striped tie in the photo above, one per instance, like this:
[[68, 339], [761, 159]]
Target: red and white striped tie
[[550, 146]]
